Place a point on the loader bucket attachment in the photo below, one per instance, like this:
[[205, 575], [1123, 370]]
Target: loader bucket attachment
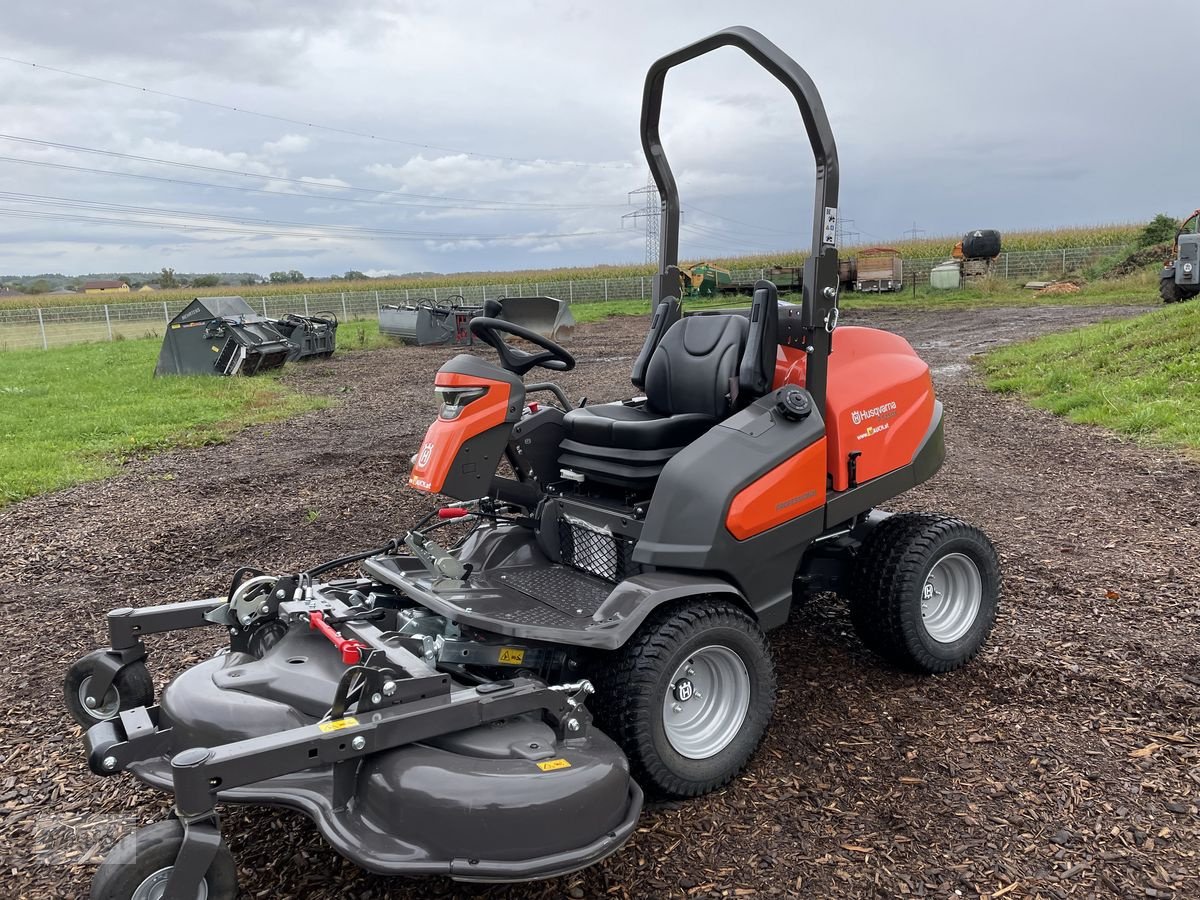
[[545, 315], [425, 322], [313, 336], [221, 336]]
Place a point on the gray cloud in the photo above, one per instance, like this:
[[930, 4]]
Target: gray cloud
[[1021, 114]]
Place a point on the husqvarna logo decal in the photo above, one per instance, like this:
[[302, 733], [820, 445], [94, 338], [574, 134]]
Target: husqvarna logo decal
[[883, 411], [426, 452]]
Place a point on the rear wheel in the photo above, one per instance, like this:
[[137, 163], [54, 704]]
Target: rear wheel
[[925, 592], [139, 867], [689, 697], [1175, 293]]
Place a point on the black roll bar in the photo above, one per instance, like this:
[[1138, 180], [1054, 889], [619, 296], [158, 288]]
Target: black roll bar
[[819, 312]]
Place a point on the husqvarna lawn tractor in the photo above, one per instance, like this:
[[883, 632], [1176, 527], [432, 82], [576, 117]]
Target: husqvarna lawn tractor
[[492, 705]]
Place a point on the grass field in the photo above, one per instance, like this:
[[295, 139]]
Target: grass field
[[1139, 377], [75, 414], [923, 248]]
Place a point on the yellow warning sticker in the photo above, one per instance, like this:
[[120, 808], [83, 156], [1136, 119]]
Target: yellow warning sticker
[[338, 724], [511, 656], [549, 765], [215, 348]]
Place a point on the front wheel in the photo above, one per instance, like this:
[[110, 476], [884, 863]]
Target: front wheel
[[140, 865], [925, 591], [131, 688], [689, 697]]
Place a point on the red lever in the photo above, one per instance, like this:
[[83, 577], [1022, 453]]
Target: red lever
[[350, 649], [452, 512]]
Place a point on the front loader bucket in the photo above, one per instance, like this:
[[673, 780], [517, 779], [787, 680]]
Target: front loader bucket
[[545, 315], [221, 336], [419, 325]]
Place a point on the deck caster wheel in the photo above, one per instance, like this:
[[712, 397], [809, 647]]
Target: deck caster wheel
[[688, 698], [926, 592], [139, 866], [131, 688]]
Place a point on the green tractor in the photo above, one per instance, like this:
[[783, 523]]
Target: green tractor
[[704, 279]]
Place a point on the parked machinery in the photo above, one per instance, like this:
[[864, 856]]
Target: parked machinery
[[433, 714], [313, 336], [1180, 276], [879, 269], [221, 336], [446, 321]]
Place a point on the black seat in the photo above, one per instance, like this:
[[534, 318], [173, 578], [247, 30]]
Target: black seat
[[702, 368], [689, 382]]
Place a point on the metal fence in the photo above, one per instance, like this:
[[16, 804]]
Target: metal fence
[[58, 326]]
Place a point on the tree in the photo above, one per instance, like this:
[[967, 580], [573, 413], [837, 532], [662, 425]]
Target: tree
[[251, 279], [206, 281], [296, 277], [166, 278], [355, 275], [41, 286], [290, 277], [1159, 230]]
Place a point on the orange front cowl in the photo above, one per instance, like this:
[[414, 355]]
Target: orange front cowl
[[791, 489], [446, 437]]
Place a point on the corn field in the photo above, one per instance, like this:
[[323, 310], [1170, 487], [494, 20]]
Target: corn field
[[926, 248]]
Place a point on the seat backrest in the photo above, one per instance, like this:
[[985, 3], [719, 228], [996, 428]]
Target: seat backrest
[[694, 367], [666, 315], [757, 372]]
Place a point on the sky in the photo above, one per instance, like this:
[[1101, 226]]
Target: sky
[[392, 137]]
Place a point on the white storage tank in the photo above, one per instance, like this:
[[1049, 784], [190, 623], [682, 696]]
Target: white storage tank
[[946, 277]]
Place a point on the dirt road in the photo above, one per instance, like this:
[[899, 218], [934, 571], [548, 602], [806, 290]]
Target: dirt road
[[1064, 762]]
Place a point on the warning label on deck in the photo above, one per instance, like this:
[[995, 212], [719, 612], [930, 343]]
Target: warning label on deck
[[549, 765], [511, 656], [338, 724]]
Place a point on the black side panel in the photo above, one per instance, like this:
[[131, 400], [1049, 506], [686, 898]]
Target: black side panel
[[475, 464], [685, 523], [535, 442], [666, 315]]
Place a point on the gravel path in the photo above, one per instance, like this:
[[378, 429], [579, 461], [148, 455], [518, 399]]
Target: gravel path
[[1064, 762]]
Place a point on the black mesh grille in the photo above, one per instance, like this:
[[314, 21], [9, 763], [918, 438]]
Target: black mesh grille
[[598, 552]]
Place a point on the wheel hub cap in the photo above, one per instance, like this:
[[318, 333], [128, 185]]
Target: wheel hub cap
[[951, 598], [106, 708], [707, 702], [154, 887]]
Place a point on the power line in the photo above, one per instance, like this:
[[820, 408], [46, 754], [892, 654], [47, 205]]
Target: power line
[[695, 208], [397, 203], [314, 125], [77, 148], [160, 218]]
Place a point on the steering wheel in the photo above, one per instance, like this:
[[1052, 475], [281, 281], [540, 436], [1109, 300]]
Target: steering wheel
[[517, 361]]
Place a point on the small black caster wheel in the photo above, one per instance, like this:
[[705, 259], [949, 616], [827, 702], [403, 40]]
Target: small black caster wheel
[[131, 688], [139, 866]]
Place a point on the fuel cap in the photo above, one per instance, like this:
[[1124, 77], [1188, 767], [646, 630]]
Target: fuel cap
[[793, 403]]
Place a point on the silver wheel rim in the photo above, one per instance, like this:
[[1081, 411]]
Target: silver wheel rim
[[155, 886], [110, 706], [951, 598], [706, 702]]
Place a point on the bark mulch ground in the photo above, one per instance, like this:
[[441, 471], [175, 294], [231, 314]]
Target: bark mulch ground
[[1065, 762]]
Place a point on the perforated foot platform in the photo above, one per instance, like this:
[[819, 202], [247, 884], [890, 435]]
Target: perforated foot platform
[[548, 602]]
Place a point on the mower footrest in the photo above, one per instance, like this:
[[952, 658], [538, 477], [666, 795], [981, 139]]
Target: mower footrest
[[544, 603]]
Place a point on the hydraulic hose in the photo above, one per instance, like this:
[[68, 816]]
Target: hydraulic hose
[[389, 547]]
